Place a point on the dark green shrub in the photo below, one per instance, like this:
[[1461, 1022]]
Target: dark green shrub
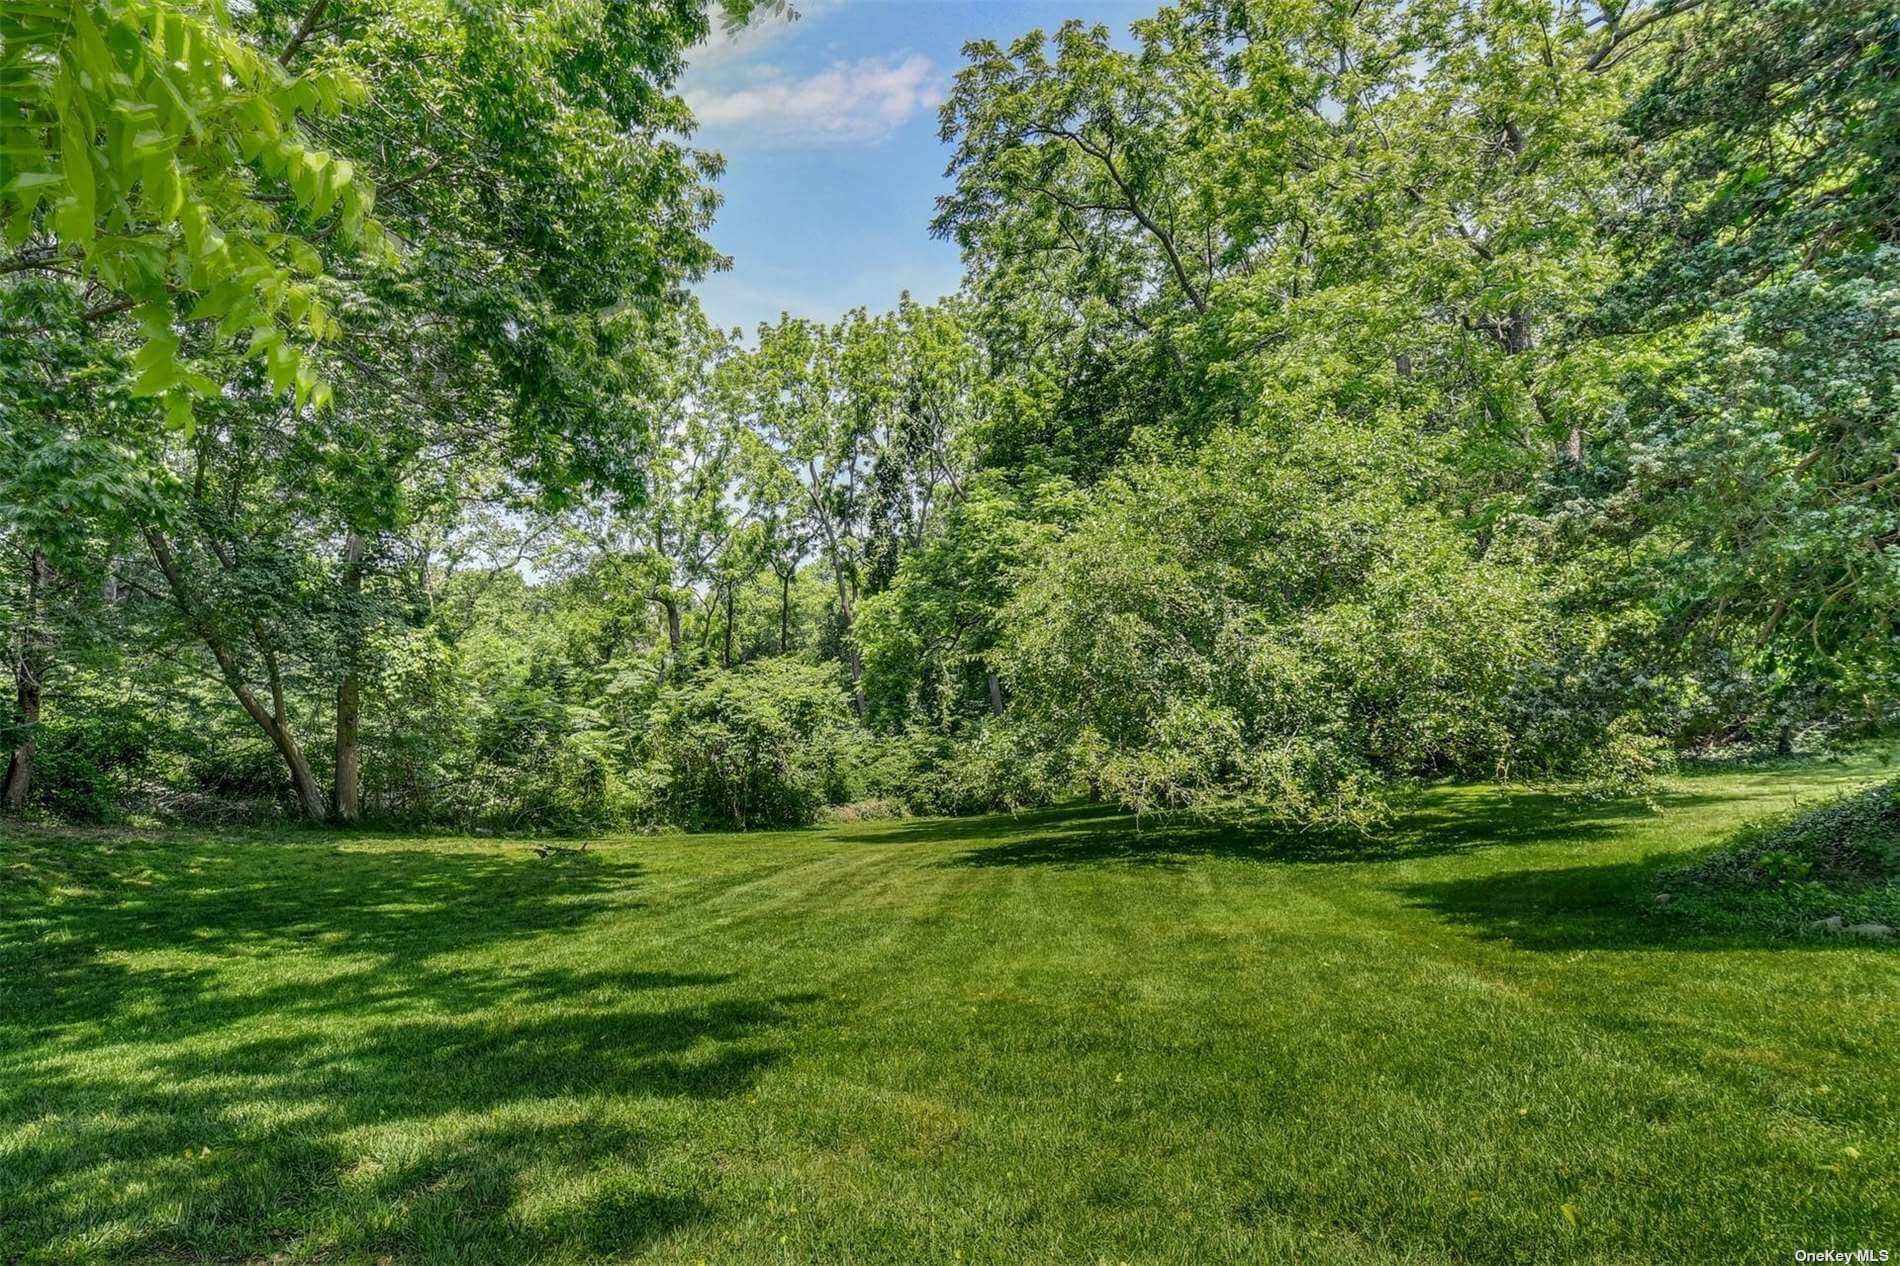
[[765, 744], [1840, 861], [89, 756]]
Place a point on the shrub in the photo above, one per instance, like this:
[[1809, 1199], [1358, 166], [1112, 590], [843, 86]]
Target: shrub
[[764, 744], [1626, 762], [1853, 840], [1842, 859], [544, 764], [863, 811], [90, 755], [1279, 625], [989, 769]]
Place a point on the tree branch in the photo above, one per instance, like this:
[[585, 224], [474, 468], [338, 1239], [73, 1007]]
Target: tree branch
[[1620, 32], [304, 29]]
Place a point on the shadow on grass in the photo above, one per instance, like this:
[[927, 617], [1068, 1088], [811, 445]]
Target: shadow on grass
[[72, 906], [1562, 908], [232, 1050], [1606, 907], [1440, 821], [1612, 906]]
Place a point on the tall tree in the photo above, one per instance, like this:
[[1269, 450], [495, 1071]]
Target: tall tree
[[1760, 490], [813, 399], [530, 162]]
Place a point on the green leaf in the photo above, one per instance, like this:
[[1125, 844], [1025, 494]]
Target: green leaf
[[179, 413], [75, 150], [159, 370]]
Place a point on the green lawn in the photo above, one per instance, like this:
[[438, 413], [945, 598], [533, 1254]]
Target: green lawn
[[1040, 1039]]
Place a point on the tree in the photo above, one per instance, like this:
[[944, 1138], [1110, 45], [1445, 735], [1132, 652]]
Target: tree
[[1264, 204], [812, 399], [1273, 625], [1767, 146], [146, 145], [503, 357], [670, 542], [764, 745], [1757, 487], [1343, 393], [70, 477], [930, 639]]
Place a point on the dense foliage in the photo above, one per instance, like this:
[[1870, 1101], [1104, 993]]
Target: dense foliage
[[1341, 394]]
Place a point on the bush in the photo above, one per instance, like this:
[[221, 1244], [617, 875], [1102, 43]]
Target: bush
[[863, 811], [1279, 625], [543, 764], [90, 756], [991, 769], [1842, 859], [764, 744], [1627, 762], [424, 717], [1854, 840]]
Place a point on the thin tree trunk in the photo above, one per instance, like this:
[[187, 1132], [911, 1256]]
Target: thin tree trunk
[[848, 615], [28, 673], [726, 658], [785, 612], [996, 694], [347, 789], [274, 720], [856, 662]]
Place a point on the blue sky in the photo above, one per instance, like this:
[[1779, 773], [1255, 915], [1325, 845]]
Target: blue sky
[[829, 128]]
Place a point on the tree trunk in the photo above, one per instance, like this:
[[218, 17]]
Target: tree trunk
[[274, 720], [349, 756], [1784, 740], [303, 779], [670, 607], [347, 788], [858, 702], [726, 658], [673, 634], [28, 672], [785, 612], [848, 615], [1519, 336], [996, 694]]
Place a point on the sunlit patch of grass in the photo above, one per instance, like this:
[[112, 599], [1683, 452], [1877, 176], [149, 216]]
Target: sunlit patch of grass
[[1471, 1038]]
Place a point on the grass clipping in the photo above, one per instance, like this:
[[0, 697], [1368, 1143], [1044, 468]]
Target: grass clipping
[[1834, 869]]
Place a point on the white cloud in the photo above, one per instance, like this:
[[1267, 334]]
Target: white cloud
[[849, 101]]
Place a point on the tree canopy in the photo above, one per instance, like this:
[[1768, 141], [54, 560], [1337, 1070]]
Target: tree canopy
[[1340, 394]]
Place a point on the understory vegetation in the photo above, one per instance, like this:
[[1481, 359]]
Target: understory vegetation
[[1340, 397]]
